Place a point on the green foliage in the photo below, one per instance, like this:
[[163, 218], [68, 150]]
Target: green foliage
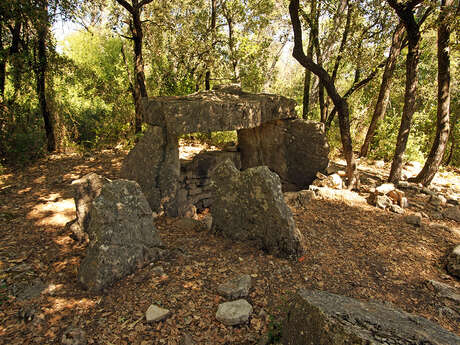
[[218, 139], [274, 331]]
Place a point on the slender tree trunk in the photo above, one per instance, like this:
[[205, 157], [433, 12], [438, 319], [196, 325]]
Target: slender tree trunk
[[307, 81], [453, 142], [385, 86], [343, 42], [140, 91], [436, 154], [41, 69], [406, 14], [339, 102], [15, 58], [2, 67], [213, 37]]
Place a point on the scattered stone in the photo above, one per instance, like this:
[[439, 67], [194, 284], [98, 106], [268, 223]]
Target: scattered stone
[[426, 190], [299, 199], [323, 318], [445, 291], [438, 200], [404, 203], [453, 262], [379, 164], [414, 219], [452, 213], [155, 313], [294, 149], [396, 209], [86, 189], [383, 202], [249, 206], [385, 188], [186, 340], [236, 288], [234, 313], [331, 170], [453, 199], [74, 336], [436, 215], [344, 195], [122, 235]]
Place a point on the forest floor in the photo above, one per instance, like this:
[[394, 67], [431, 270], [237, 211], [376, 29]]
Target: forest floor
[[353, 249]]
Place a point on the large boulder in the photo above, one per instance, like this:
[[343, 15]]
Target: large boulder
[[249, 206], [295, 149], [154, 164], [86, 189], [122, 235], [323, 318]]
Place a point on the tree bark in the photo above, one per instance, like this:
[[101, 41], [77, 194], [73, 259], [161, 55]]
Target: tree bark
[[406, 14], [339, 102], [385, 86], [41, 69], [140, 91], [213, 37], [307, 81], [2, 68], [436, 154]]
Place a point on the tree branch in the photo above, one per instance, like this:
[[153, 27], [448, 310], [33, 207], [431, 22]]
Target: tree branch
[[126, 5]]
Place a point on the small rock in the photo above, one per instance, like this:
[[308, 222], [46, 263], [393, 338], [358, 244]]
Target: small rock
[[453, 200], [437, 200], [32, 291], [234, 313], [426, 190], [235, 288], [379, 164], [452, 213], [336, 181], [396, 209], [453, 262], [155, 313], [437, 215], [158, 271], [331, 170], [74, 336], [186, 340], [404, 203], [414, 219], [385, 188], [383, 202], [299, 199]]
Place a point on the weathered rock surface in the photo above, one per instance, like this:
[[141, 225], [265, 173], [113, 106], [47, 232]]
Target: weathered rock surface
[[225, 109], [155, 313], [122, 235], [344, 195], [446, 291], [236, 288], [323, 318], [452, 213], [299, 199], [414, 219], [249, 206], [154, 164], [453, 262], [295, 149], [86, 189], [234, 313]]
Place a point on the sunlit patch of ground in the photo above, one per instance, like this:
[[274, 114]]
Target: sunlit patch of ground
[[53, 213]]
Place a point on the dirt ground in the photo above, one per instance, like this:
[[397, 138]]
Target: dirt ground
[[352, 249]]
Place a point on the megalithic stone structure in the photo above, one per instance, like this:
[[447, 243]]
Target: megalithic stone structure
[[154, 162]]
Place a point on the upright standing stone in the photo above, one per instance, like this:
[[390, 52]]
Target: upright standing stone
[[122, 235], [86, 189], [249, 206], [154, 164], [295, 149]]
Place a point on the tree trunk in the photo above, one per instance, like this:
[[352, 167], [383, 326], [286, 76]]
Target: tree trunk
[[140, 90], [307, 81], [41, 69], [385, 86], [2, 68], [339, 102], [452, 140], [406, 14], [213, 37], [434, 159]]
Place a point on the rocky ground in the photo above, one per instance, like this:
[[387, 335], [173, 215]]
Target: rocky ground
[[352, 248]]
